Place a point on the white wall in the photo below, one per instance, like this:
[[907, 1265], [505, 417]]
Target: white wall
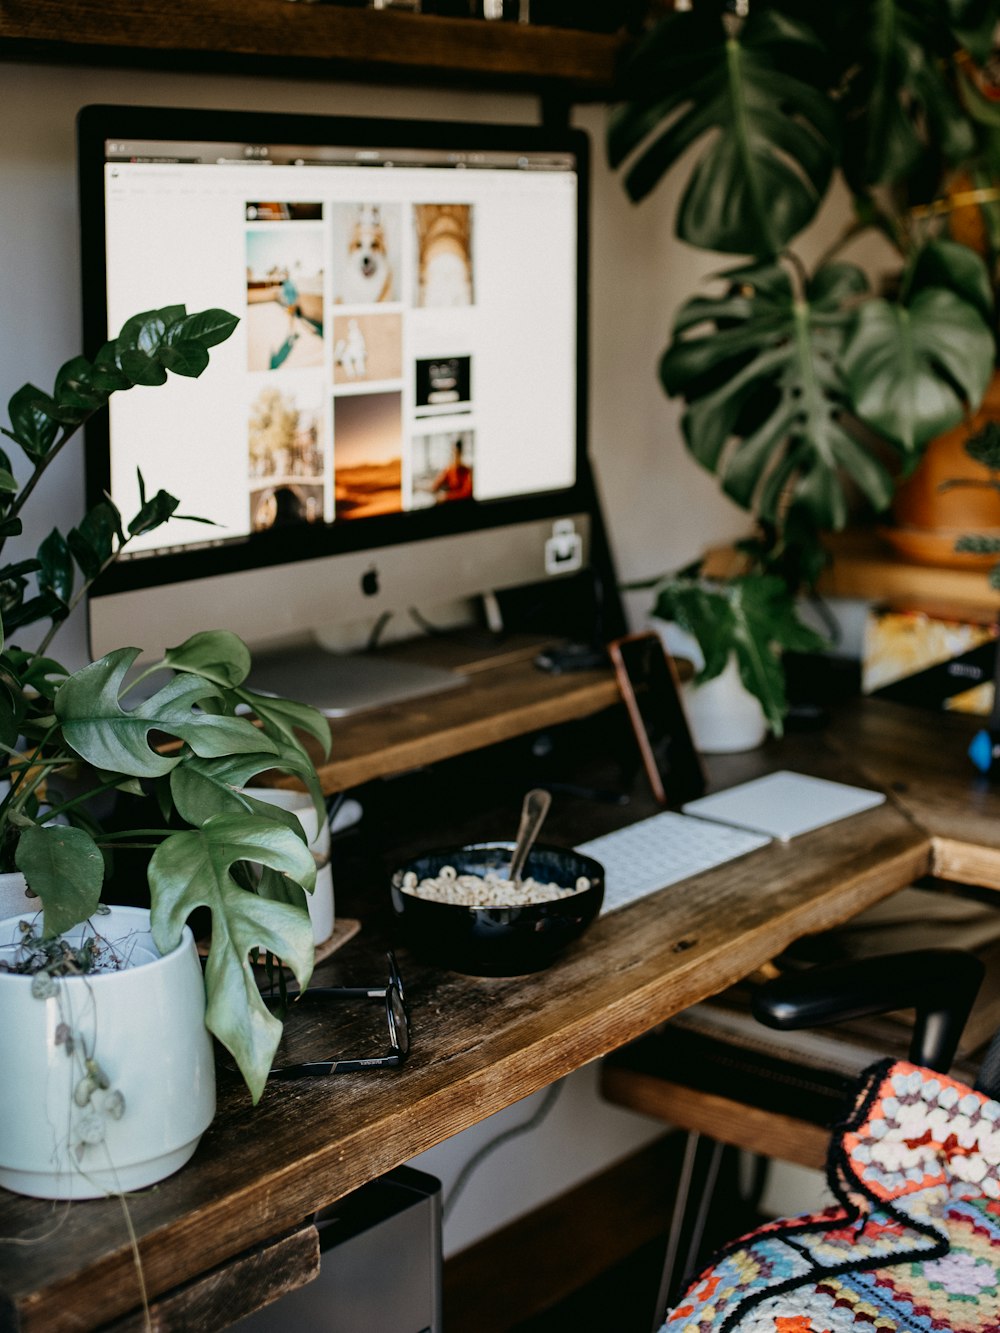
[[661, 509]]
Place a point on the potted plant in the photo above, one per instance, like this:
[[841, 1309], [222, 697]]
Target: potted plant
[[804, 386], [734, 631], [67, 739]]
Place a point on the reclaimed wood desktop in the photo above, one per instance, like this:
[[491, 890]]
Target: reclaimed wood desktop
[[480, 1045]]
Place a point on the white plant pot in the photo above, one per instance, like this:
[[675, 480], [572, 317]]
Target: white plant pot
[[320, 901], [724, 716], [14, 896], [145, 1027]]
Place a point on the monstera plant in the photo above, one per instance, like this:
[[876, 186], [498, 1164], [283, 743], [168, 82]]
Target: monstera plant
[[806, 385], [68, 739]]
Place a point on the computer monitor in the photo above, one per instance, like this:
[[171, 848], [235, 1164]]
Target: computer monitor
[[399, 418]]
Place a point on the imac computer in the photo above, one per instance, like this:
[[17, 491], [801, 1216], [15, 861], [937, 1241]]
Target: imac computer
[[398, 420]]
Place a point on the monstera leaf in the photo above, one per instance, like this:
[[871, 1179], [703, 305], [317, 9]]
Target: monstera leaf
[[202, 788], [100, 730], [194, 869], [215, 655], [772, 130], [752, 618], [914, 368], [758, 368], [899, 98]]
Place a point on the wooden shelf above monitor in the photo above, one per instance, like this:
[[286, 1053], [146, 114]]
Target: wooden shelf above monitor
[[316, 40]]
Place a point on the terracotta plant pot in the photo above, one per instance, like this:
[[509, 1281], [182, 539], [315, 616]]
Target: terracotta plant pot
[[929, 520]]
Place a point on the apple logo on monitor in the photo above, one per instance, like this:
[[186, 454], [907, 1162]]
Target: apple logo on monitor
[[369, 582]]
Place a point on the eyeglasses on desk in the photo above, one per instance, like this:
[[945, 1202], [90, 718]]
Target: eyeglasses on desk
[[396, 1017]]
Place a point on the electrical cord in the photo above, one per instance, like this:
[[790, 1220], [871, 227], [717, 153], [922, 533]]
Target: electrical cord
[[476, 1160], [376, 632]]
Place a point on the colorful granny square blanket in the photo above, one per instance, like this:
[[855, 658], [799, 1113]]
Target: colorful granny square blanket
[[913, 1244]]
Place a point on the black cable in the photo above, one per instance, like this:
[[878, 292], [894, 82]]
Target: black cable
[[422, 623], [377, 629], [533, 1121]]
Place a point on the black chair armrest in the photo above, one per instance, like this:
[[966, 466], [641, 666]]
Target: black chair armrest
[[940, 984]]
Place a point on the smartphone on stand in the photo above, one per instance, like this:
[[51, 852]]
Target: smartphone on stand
[[650, 688]]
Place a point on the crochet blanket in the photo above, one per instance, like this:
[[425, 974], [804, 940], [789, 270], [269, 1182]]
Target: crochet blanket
[[913, 1243]]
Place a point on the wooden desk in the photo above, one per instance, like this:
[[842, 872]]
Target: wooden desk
[[480, 1045]]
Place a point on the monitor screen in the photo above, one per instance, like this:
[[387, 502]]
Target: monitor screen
[[407, 370]]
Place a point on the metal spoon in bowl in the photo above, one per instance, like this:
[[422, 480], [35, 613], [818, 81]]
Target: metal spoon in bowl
[[534, 808]]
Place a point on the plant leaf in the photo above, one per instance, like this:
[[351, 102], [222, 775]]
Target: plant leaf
[[761, 176], [56, 565], [898, 96], [752, 617], [203, 788], [913, 371], [765, 399], [192, 869], [153, 513], [93, 542], [33, 425], [65, 868], [97, 727], [215, 655]]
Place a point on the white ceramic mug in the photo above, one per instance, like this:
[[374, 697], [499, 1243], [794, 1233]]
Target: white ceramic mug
[[320, 901]]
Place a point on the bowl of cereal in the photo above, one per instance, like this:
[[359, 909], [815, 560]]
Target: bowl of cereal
[[456, 907]]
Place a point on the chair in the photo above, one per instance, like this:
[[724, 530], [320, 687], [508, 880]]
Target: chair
[[732, 1084], [913, 1242]]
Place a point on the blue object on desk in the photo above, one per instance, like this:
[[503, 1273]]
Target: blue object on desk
[[985, 750]]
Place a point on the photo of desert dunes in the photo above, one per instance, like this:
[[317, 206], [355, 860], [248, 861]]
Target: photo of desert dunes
[[368, 454]]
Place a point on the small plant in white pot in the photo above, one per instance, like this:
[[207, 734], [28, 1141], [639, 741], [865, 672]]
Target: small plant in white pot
[[739, 627], [84, 1109]]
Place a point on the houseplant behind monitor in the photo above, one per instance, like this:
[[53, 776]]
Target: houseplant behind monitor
[[69, 738]]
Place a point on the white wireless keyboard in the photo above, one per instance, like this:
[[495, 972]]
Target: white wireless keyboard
[[662, 850]]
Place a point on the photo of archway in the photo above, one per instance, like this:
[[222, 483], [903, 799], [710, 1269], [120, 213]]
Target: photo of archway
[[444, 274], [368, 454], [285, 505], [367, 253], [284, 315], [367, 348]]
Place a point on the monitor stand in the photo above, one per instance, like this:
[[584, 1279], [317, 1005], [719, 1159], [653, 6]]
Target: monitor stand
[[342, 683]]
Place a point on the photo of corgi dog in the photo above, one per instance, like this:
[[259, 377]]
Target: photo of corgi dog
[[368, 275], [444, 254]]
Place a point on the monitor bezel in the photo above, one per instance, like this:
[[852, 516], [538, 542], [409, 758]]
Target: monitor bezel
[[98, 123]]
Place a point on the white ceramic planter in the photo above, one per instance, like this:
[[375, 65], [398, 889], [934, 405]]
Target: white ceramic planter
[[725, 718], [145, 1028], [320, 901], [14, 896]]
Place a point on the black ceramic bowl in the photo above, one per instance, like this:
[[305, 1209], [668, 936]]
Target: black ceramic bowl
[[498, 941]]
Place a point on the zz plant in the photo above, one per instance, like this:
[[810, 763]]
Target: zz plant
[[68, 738], [787, 371]]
